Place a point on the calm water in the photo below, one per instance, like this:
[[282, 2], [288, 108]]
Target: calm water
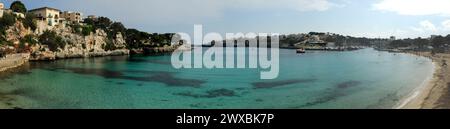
[[356, 79]]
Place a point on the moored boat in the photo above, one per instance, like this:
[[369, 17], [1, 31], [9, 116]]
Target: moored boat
[[301, 50]]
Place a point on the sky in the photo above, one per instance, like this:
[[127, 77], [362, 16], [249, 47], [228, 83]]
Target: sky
[[361, 18]]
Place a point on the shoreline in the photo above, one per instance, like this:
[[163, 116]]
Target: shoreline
[[13, 61], [7, 63], [428, 95]]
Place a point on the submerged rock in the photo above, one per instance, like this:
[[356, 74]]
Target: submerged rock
[[261, 85], [210, 94], [348, 84]]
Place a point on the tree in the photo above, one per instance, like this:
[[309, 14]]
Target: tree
[[29, 21], [52, 40], [87, 29], [438, 43], [19, 7], [399, 43], [6, 21], [117, 27], [134, 38], [30, 39], [421, 43], [89, 21], [103, 23]]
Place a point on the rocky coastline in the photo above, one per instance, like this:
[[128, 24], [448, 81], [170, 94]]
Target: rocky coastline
[[13, 61]]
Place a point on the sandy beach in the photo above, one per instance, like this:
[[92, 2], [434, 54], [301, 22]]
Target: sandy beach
[[434, 95]]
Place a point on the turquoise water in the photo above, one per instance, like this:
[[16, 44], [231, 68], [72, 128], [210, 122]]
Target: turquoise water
[[356, 79]]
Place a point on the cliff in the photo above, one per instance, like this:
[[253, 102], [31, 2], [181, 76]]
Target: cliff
[[74, 45]]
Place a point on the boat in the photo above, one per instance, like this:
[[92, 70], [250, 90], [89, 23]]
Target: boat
[[301, 50]]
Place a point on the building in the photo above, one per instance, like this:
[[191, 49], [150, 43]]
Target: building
[[21, 15], [392, 38], [2, 6], [74, 17], [51, 15], [433, 36], [92, 17]]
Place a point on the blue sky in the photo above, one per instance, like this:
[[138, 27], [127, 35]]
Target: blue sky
[[368, 18]]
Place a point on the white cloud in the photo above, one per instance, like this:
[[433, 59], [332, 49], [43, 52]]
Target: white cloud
[[427, 28], [427, 25], [415, 7], [446, 24], [312, 5]]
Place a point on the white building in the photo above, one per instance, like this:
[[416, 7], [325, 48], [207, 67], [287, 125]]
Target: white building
[[2, 6], [50, 15]]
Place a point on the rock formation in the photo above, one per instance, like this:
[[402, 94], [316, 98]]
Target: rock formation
[[77, 45]]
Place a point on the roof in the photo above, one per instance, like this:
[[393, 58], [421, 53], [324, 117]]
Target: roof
[[44, 8]]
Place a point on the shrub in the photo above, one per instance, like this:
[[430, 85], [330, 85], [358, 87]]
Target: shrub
[[52, 40], [102, 23], [117, 27], [76, 28], [109, 45], [7, 20], [30, 39], [87, 29], [83, 30], [29, 21]]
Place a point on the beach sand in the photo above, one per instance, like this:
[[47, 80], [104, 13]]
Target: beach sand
[[434, 95]]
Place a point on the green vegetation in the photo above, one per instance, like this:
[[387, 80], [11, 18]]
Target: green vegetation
[[87, 29], [6, 21], [83, 30], [29, 21], [19, 7], [30, 39], [161, 39], [435, 44], [137, 39], [134, 38], [440, 44], [288, 41], [52, 40], [109, 45], [116, 28], [102, 23]]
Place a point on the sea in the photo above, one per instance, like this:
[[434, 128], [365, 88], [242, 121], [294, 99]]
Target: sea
[[360, 79]]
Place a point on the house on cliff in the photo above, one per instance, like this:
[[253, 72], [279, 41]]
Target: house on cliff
[[72, 17], [50, 15], [2, 6]]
